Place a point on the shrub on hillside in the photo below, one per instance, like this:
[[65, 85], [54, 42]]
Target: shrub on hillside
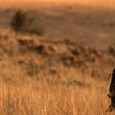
[[18, 22]]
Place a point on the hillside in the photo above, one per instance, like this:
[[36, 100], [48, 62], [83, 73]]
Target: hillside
[[61, 64], [34, 52], [80, 24], [38, 70]]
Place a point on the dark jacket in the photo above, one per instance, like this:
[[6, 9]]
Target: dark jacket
[[112, 85]]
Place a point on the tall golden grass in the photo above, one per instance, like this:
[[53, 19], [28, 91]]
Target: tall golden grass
[[39, 96]]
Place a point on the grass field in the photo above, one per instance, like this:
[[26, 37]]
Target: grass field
[[62, 63], [39, 96], [52, 81]]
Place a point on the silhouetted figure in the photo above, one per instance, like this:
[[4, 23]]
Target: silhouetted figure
[[112, 93]]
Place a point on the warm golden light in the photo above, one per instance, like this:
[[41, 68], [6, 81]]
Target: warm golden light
[[110, 3]]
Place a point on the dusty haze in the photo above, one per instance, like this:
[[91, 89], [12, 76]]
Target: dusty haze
[[107, 3]]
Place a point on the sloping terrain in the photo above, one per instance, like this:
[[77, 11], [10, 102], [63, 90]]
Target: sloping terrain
[[50, 55], [75, 23], [38, 70], [61, 65]]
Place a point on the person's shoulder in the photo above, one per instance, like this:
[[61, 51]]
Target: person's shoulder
[[114, 71]]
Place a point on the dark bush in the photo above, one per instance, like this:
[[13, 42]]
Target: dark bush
[[18, 22]]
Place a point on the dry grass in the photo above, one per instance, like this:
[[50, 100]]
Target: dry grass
[[39, 96], [59, 88], [73, 80]]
